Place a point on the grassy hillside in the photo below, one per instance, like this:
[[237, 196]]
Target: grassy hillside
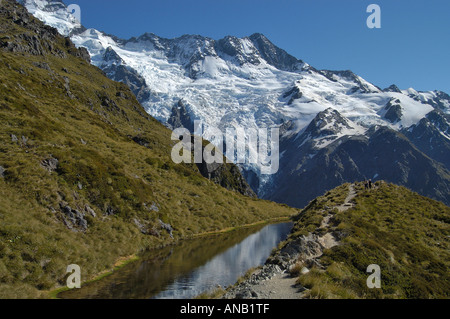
[[406, 234], [86, 174]]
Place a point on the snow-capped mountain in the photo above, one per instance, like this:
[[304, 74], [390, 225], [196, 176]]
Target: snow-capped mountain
[[332, 150], [251, 83]]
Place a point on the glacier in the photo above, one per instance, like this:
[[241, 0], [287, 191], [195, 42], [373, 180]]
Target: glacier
[[244, 83]]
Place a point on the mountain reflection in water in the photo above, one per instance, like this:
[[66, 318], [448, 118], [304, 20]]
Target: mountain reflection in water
[[189, 268]]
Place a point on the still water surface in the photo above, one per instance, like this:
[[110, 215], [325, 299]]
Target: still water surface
[[189, 268]]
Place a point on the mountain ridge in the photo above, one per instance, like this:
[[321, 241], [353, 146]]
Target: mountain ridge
[[251, 83]]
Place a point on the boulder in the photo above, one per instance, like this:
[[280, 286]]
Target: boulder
[[73, 218]]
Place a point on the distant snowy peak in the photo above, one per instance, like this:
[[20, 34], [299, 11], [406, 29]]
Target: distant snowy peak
[[238, 81], [393, 89], [432, 136], [191, 51], [276, 56], [328, 122], [327, 127]]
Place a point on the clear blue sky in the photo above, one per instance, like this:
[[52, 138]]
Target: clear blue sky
[[412, 49]]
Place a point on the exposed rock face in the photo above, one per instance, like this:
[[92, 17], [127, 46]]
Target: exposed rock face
[[152, 208], [82, 53], [348, 75], [117, 70], [226, 175], [393, 111], [141, 226], [393, 88], [231, 47], [432, 136], [90, 211], [2, 172], [73, 219], [166, 227], [180, 117], [293, 94], [32, 44], [327, 123], [14, 138], [273, 55]]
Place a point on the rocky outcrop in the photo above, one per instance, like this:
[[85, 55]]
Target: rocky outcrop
[[293, 94], [166, 227], [360, 85], [50, 164], [116, 69], [72, 218], [226, 175], [29, 42], [149, 228], [393, 89], [273, 55], [180, 117], [394, 111]]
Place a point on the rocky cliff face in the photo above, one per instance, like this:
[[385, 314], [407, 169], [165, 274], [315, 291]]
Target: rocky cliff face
[[228, 176], [30, 43], [180, 117], [432, 136]]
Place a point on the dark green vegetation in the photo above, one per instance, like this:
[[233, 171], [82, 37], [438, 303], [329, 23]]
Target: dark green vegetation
[[86, 175], [406, 234]]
